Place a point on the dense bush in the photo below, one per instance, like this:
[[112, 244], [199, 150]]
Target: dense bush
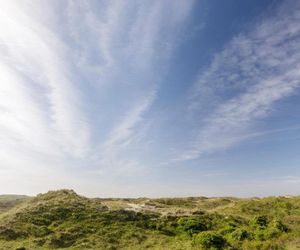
[[9, 234], [276, 228], [210, 240], [62, 240], [278, 224], [260, 221], [193, 225], [240, 234], [41, 231]]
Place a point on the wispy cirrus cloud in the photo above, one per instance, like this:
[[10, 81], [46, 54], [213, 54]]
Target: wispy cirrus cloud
[[254, 71], [72, 77], [111, 151], [34, 66], [93, 93]]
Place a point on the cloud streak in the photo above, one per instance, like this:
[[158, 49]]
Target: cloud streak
[[94, 93], [76, 80], [254, 71]]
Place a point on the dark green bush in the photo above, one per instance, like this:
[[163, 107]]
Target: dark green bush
[[40, 221], [41, 231], [260, 221], [228, 228], [271, 233], [167, 226], [10, 234], [277, 224], [240, 234], [60, 212], [210, 240], [276, 227], [40, 241], [192, 225], [260, 234], [62, 240]]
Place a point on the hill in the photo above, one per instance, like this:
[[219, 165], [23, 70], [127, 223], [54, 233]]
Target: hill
[[65, 220], [9, 201]]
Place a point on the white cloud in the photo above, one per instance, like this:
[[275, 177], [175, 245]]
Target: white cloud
[[63, 67], [109, 153], [244, 81], [36, 60]]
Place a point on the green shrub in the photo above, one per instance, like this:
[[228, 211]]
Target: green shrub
[[193, 225], [166, 227], [62, 240], [40, 221], [227, 228], [260, 221], [267, 230], [10, 234], [209, 240], [277, 224], [40, 241], [275, 228], [259, 234], [60, 212], [41, 231], [271, 233], [240, 234]]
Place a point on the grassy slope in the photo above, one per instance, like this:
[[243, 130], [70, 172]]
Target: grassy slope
[[63, 219], [9, 201]]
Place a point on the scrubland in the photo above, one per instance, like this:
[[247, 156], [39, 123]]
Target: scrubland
[[65, 220]]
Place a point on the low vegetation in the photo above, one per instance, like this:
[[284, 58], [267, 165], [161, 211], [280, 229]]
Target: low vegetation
[[64, 220], [9, 201]]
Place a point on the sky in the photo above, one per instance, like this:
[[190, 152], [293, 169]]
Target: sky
[[150, 98]]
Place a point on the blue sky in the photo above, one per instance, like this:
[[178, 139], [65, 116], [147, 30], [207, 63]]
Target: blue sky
[[150, 98]]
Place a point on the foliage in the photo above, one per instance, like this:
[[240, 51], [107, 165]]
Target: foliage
[[63, 219], [210, 240], [260, 221], [193, 225]]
